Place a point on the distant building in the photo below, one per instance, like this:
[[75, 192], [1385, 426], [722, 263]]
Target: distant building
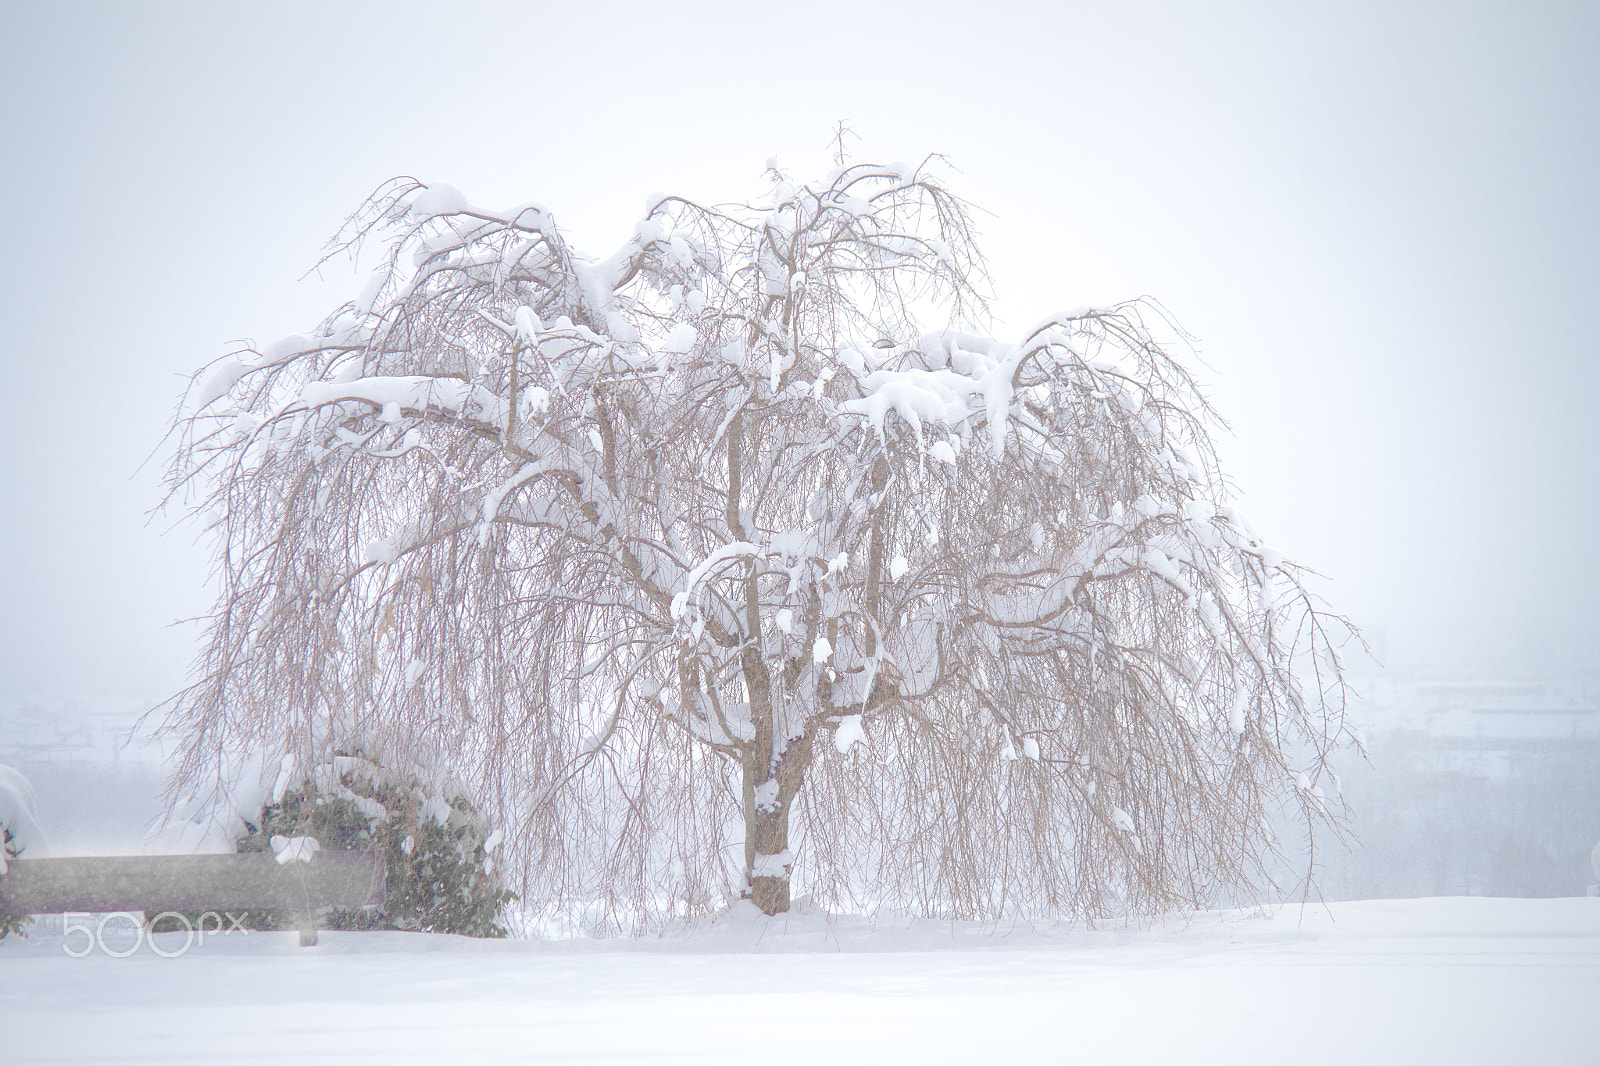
[[1478, 786]]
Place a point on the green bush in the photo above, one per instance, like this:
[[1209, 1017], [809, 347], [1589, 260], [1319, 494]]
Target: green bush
[[436, 847]]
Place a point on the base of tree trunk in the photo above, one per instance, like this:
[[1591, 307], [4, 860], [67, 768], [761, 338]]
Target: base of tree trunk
[[771, 894]]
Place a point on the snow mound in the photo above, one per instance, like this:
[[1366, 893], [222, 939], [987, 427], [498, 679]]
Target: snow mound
[[294, 849]]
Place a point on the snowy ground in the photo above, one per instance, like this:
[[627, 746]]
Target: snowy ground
[[1453, 980], [1459, 980]]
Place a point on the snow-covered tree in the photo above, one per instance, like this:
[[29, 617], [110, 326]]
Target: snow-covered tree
[[745, 555]]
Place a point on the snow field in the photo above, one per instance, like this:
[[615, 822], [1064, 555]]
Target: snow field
[[1406, 981]]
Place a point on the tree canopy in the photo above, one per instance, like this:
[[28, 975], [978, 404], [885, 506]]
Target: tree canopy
[[746, 558]]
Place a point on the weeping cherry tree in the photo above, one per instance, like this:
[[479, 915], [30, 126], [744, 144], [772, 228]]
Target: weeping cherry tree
[[744, 558]]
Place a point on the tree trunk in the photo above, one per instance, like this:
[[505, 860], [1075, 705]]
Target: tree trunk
[[767, 856], [773, 773]]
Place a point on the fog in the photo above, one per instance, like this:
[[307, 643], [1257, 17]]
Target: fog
[[1379, 221]]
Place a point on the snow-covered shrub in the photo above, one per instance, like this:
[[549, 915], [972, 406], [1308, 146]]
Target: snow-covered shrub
[[438, 850], [19, 833], [10, 848]]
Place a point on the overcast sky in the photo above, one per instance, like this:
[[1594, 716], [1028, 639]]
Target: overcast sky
[[1379, 219]]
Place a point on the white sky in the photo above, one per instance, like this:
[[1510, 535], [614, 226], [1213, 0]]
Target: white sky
[[1380, 219]]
